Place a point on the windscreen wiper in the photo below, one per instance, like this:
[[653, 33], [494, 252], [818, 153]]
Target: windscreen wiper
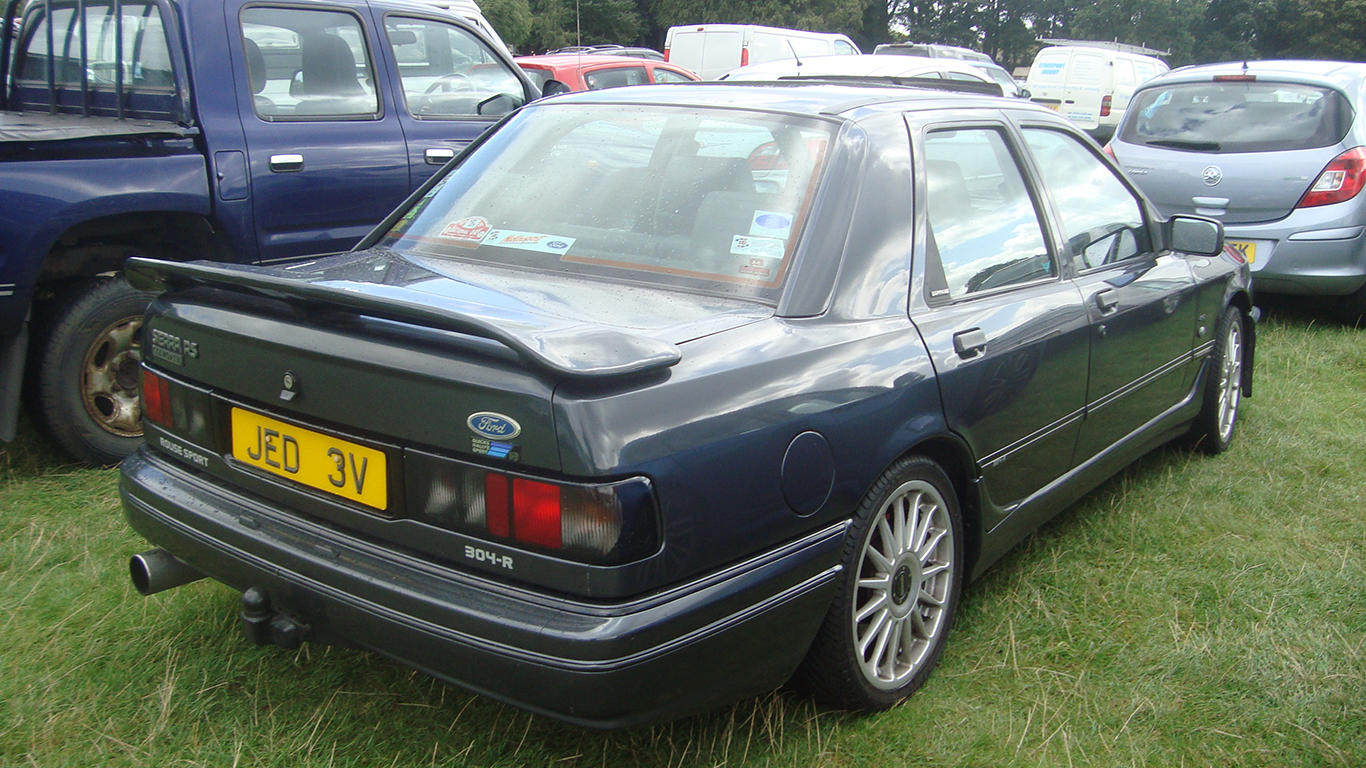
[[1198, 146]]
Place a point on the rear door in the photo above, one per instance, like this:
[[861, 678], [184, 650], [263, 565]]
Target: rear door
[[1007, 334], [1141, 302], [326, 154]]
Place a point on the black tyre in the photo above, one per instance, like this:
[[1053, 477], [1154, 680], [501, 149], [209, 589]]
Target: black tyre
[[1214, 428], [898, 592], [85, 372]]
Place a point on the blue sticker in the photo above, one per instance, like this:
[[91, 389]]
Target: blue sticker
[[770, 224]]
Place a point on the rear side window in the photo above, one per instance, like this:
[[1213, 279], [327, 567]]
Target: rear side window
[[615, 77], [1238, 117], [984, 228], [307, 64]]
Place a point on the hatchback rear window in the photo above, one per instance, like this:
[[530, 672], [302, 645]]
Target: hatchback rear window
[[706, 199], [1226, 117]]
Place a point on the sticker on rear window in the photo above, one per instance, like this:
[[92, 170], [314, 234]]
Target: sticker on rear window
[[771, 224], [756, 268], [529, 241], [767, 247], [468, 232]]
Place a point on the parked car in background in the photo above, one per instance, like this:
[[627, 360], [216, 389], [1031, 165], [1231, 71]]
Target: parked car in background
[[1090, 83], [613, 50], [470, 11], [862, 65], [223, 129], [1274, 149], [712, 50], [659, 396], [931, 51], [561, 72]]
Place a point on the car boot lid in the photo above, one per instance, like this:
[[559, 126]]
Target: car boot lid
[[602, 330]]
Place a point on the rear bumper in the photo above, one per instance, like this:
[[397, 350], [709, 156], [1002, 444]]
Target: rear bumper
[[1313, 251], [729, 635]]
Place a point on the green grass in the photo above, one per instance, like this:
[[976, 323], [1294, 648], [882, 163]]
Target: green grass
[[1192, 611]]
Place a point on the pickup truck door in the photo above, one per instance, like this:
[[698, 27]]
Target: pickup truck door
[[451, 86], [326, 153], [1141, 300]]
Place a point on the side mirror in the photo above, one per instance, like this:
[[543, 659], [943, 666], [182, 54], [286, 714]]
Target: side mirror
[[1196, 236], [1025, 94], [499, 104], [402, 37]]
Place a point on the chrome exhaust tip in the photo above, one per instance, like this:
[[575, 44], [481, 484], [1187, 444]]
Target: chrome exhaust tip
[[157, 570]]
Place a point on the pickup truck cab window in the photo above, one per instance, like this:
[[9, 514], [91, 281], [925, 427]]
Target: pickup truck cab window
[[307, 64], [140, 53], [983, 223], [448, 72]]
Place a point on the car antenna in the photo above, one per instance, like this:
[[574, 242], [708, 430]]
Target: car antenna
[[795, 57]]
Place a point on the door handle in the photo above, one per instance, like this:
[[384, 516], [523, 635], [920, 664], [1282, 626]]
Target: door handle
[[970, 343], [438, 155], [286, 163], [1107, 300]]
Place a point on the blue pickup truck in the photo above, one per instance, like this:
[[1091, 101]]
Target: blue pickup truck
[[251, 131]]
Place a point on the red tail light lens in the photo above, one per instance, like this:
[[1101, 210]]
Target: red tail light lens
[[1107, 149], [1340, 180], [1105, 106], [604, 523], [744, 57], [666, 53], [156, 399]]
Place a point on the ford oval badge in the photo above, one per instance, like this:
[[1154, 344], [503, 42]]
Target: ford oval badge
[[494, 426]]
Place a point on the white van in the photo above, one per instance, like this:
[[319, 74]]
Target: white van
[[1090, 83], [711, 50]]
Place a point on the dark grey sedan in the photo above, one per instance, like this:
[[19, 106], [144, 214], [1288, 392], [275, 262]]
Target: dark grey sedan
[[657, 397]]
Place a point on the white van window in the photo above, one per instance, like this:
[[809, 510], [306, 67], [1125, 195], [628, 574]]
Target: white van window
[[1124, 72], [844, 48], [1087, 68]]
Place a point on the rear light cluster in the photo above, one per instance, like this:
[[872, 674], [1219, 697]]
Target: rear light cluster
[[1105, 102], [177, 407], [606, 524], [1340, 180]]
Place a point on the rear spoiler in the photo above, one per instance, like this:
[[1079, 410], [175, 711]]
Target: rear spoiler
[[574, 351]]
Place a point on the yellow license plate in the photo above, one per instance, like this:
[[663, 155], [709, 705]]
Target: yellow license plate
[[1054, 107], [319, 461], [1249, 250]]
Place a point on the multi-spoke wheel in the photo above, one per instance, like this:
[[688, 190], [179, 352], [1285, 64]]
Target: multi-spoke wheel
[[898, 593], [86, 373], [1218, 420]]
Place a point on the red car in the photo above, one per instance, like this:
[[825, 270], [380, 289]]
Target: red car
[[557, 73]]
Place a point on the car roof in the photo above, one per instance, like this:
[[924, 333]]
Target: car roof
[[856, 65], [801, 98], [572, 60], [1343, 75]]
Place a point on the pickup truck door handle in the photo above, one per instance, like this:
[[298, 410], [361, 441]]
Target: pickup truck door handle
[[970, 343], [1107, 300], [438, 155], [286, 163]]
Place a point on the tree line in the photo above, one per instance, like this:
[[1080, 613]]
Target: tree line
[[1194, 31]]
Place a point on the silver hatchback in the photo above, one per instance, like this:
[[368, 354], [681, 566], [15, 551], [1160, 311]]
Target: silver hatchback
[[1274, 149]]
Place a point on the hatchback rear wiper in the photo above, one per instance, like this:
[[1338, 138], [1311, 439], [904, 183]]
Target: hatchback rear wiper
[[1199, 146]]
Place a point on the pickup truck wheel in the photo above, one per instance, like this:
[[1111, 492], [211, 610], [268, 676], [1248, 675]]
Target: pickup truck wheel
[[88, 374], [897, 594]]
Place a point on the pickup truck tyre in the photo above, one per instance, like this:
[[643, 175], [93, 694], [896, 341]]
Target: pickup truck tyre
[[86, 374]]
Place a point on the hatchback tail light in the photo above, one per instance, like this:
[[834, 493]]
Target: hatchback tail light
[[1109, 150], [601, 523], [1105, 106], [181, 409], [156, 399], [1340, 180]]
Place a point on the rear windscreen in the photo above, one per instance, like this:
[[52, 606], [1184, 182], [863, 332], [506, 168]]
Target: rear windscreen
[[706, 199], [1223, 117]]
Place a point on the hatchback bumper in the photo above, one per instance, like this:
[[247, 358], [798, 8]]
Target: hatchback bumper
[[1313, 251], [725, 636]]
